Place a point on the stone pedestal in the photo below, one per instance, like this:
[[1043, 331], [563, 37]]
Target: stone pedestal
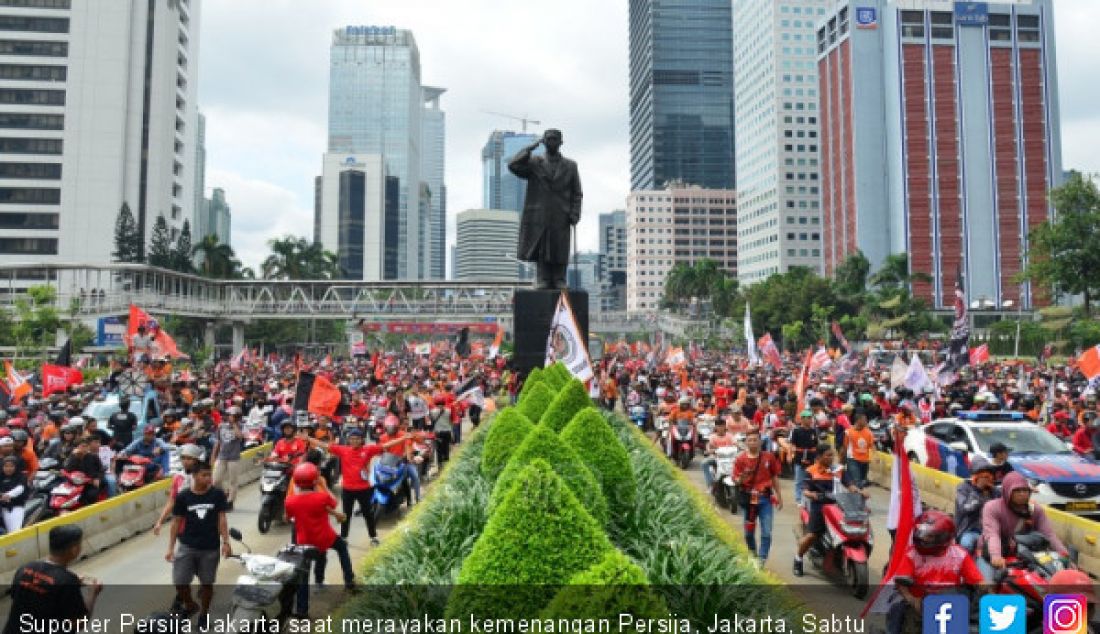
[[532, 313]]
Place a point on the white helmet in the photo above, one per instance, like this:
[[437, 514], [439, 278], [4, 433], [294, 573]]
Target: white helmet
[[192, 451]]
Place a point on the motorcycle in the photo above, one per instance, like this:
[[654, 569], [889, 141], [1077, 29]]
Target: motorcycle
[[266, 594], [423, 453], [703, 429], [390, 480], [274, 483], [44, 481], [253, 435], [638, 416], [880, 429], [683, 443], [724, 489], [844, 548], [1028, 573], [65, 497], [135, 473]]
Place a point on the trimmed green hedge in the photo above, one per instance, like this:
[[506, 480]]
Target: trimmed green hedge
[[539, 535], [536, 402], [533, 379], [613, 586], [543, 444], [570, 399], [594, 441], [506, 433], [557, 375]]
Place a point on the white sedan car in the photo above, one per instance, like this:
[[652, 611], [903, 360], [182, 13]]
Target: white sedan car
[[1060, 478]]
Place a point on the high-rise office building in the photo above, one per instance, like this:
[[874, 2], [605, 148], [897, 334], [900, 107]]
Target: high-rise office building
[[359, 216], [99, 109], [376, 103], [432, 163], [485, 248], [681, 93], [679, 224], [199, 226], [219, 216], [613, 250], [941, 139], [587, 273], [778, 191], [500, 188]]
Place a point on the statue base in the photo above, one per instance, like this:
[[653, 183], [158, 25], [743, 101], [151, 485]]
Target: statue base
[[532, 313]]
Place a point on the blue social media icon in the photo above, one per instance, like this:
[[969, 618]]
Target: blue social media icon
[[946, 614], [1002, 614]]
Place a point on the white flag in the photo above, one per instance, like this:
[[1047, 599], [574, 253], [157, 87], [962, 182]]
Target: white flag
[[916, 377], [564, 342], [750, 340], [898, 371]]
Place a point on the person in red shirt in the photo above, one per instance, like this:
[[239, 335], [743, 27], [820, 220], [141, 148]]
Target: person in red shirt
[[355, 459], [933, 563], [757, 475], [289, 448], [399, 444], [310, 509], [1082, 439]]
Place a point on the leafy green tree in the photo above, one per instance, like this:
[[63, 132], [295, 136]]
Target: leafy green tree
[[296, 258], [128, 241], [217, 260], [850, 278], [703, 280], [38, 319], [160, 245], [1065, 253], [181, 254]]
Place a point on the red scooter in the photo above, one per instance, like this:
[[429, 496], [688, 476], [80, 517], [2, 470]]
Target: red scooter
[[843, 550], [135, 473], [65, 497], [682, 442], [1028, 574]]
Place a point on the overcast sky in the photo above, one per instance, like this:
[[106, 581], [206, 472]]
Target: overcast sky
[[263, 86]]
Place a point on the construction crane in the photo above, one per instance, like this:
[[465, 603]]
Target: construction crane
[[523, 120]]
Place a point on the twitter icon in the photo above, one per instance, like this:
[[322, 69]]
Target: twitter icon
[[1002, 614]]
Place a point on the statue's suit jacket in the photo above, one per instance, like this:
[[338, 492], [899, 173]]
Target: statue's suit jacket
[[552, 206]]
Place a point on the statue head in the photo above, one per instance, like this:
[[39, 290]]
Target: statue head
[[552, 139]]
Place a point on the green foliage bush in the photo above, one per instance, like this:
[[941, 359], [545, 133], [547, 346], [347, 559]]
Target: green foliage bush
[[570, 400], [543, 444], [557, 375], [536, 402], [594, 441], [506, 432], [615, 585], [538, 535], [533, 379]]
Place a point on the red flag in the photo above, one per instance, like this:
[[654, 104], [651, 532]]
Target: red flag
[[839, 334], [800, 384], [58, 378], [769, 351], [906, 520], [494, 349], [316, 394], [979, 355], [15, 384], [163, 344], [1089, 363]]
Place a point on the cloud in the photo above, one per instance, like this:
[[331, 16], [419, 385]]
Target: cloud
[[261, 211]]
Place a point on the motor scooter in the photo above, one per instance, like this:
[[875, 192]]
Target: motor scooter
[[390, 480], [844, 548], [1028, 572], [682, 443], [44, 481], [65, 497], [724, 489], [704, 427], [135, 473], [638, 416], [274, 483], [264, 598]]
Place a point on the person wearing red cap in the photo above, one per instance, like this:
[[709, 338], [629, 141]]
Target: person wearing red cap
[[309, 510], [1060, 425]]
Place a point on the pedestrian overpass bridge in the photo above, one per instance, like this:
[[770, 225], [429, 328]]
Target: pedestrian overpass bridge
[[88, 292]]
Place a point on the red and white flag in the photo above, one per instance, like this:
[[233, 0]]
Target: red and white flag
[[820, 360], [1089, 363], [902, 504], [58, 378], [494, 349], [15, 384], [769, 351], [237, 362], [979, 355]]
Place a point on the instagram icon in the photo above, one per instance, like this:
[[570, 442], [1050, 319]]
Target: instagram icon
[[1065, 614]]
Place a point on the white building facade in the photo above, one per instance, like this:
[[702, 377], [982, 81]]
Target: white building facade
[[358, 218], [777, 132], [485, 248], [97, 108]]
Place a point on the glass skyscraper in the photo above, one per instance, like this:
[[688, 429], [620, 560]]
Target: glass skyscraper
[[375, 107], [681, 93], [500, 188]]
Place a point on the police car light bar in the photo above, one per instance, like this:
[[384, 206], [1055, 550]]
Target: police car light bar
[[991, 416]]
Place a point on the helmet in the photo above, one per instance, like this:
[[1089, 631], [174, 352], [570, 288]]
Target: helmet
[[191, 451], [979, 464], [933, 533], [5, 432], [305, 475], [355, 431], [77, 420], [685, 400], [1073, 582], [18, 435]]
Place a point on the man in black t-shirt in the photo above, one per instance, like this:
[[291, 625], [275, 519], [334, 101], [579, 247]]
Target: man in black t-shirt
[[199, 524], [122, 424], [804, 440], [46, 593], [86, 460]]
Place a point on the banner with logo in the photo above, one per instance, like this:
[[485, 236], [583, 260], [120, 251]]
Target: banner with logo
[[565, 343]]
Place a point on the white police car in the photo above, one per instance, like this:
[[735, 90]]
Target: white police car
[[1060, 478]]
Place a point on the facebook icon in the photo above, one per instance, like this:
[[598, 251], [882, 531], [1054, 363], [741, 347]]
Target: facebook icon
[[946, 614]]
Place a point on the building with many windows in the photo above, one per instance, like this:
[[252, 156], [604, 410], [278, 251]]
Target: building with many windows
[[500, 188], [613, 250], [97, 109], [485, 248], [681, 93], [680, 224], [359, 215], [432, 164], [940, 139], [778, 201]]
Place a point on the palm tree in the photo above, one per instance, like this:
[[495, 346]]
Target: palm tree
[[218, 259], [295, 258]]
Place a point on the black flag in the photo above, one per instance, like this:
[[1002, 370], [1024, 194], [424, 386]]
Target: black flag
[[958, 352], [65, 355], [462, 347]]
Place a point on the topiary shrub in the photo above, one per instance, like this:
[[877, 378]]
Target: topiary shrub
[[539, 535], [556, 375], [533, 379], [589, 435], [615, 585], [570, 400], [505, 435], [536, 402], [543, 444]]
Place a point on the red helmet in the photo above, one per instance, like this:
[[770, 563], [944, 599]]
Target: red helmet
[[305, 475], [4, 432], [933, 533], [1073, 582]]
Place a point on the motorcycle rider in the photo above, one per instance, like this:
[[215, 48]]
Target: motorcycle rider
[[682, 411], [720, 438], [122, 424], [933, 562], [818, 489], [87, 461], [1010, 515], [971, 497], [151, 447], [804, 442], [757, 475], [289, 448], [998, 454], [392, 432]]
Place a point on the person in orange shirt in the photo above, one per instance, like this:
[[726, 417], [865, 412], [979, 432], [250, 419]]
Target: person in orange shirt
[[859, 442], [609, 393]]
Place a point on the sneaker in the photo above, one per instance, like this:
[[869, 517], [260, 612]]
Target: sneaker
[[351, 587], [229, 507], [202, 623], [797, 569], [374, 541]]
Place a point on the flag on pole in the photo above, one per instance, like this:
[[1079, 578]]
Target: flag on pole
[[163, 344], [916, 377], [564, 342], [1088, 363], [15, 385], [237, 362], [494, 348], [65, 355], [901, 508], [317, 394], [957, 357], [800, 383], [898, 371], [750, 340], [979, 355], [58, 378], [327, 361], [423, 348], [675, 357], [770, 351], [820, 360], [839, 334]]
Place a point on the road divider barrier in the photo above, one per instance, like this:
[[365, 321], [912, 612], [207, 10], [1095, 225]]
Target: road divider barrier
[[937, 490], [107, 523]]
